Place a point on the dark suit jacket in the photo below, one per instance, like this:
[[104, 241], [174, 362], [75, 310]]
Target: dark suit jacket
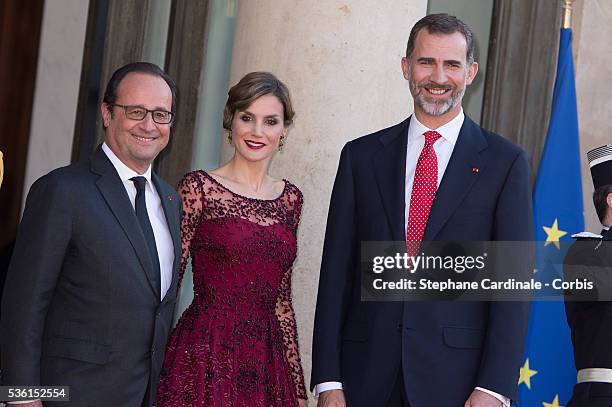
[[79, 308], [589, 315], [444, 348]]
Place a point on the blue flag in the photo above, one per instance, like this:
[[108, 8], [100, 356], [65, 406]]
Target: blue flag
[[547, 374]]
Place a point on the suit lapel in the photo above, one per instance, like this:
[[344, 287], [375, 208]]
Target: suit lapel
[[390, 168], [171, 209], [464, 168], [116, 197]]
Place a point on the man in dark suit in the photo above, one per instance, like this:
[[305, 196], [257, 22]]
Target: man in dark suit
[[435, 176], [89, 299], [588, 311]]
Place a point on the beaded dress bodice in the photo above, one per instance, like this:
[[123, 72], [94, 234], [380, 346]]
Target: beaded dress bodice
[[236, 344]]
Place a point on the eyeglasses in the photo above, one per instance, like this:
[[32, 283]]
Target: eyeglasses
[[139, 113]]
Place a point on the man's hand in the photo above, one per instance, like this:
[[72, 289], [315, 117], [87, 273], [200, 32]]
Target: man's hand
[[302, 403], [481, 399], [332, 398], [36, 403]]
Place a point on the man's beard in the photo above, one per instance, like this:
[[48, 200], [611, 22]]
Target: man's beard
[[434, 106]]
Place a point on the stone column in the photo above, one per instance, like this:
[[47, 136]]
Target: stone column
[[57, 87], [341, 62]]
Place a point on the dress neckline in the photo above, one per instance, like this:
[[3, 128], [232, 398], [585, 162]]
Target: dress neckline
[[248, 197]]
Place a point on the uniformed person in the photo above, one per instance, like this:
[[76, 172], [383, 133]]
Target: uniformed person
[[589, 312]]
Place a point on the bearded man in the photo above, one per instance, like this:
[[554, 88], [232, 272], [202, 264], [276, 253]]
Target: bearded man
[[435, 176]]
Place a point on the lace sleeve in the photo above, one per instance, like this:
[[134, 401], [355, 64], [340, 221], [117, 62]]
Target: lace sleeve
[[284, 308], [286, 318], [293, 204], [190, 190], [297, 209]]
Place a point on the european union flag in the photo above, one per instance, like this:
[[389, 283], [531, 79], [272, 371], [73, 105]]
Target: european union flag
[[548, 374]]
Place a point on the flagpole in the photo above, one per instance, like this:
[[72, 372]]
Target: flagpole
[[567, 13]]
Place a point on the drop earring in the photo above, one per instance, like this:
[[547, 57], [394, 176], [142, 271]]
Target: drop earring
[[281, 143]]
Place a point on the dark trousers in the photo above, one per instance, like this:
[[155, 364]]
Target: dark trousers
[[398, 395]]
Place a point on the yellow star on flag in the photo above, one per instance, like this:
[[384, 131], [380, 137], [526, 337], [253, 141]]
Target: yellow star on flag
[[553, 234], [555, 402], [525, 374]]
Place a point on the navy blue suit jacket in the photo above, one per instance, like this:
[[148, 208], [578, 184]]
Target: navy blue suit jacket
[[445, 348]]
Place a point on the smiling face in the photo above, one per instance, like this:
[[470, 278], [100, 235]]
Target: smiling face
[[256, 130], [137, 142], [438, 74]]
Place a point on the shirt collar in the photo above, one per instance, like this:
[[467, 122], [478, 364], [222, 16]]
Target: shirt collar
[[449, 131], [125, 172]]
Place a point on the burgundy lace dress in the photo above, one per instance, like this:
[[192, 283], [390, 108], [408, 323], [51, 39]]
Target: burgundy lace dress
[[236, 344]]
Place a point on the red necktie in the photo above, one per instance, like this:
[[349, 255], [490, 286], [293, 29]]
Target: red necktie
[[423, 193]]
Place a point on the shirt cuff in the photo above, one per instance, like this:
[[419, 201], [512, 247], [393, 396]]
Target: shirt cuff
[[22, 401], [326, 386], [505, 400]]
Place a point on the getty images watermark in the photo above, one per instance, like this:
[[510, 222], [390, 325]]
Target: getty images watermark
[[476, 271]]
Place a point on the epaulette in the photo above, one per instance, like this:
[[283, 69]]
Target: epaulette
[[587, 235]]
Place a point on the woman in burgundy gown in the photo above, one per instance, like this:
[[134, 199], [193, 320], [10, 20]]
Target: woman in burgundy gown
[[236, 344]]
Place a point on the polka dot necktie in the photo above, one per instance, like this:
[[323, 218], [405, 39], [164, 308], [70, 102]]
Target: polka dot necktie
[[423, 193]]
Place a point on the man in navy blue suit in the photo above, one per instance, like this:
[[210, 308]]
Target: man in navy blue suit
[[435, 176]]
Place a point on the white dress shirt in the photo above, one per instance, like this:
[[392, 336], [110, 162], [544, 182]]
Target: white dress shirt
[[443, 147], [163, 239]]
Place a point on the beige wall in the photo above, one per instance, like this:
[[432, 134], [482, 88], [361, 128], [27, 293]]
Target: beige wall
[[57, 86], [593, 66], [341, 61]]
